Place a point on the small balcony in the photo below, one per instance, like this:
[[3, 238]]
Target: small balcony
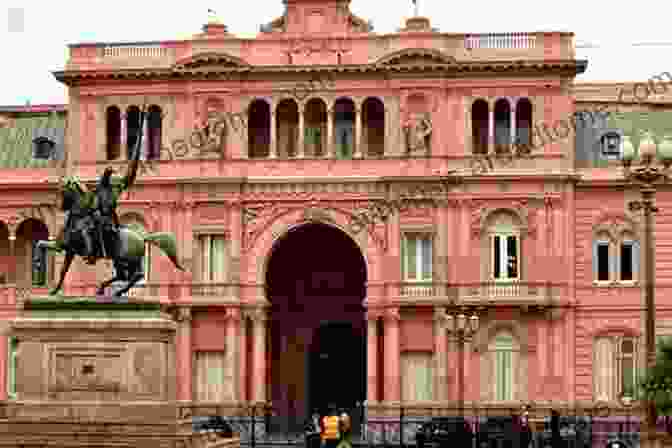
[[516, 293], [512, 292]]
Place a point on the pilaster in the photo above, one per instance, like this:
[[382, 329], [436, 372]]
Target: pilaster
[[184, 353], [392, 387], [232, 348], [440, 355], [259, 318], [358, 132], [372, 356], [273, 150]]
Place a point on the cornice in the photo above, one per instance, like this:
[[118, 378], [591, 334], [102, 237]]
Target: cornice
[[520, 68]]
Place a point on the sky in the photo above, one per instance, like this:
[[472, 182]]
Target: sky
[[626, 41]]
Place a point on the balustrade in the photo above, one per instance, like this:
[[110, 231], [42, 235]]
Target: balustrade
[[499, 41]]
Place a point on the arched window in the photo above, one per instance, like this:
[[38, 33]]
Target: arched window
[[287, 127], [154, 129], [113, 127], [616, 257], [259, 129], [504, 242], [479, 127], [373, 122], [524, 122], [344, 125], [133, 129], [502, 125]]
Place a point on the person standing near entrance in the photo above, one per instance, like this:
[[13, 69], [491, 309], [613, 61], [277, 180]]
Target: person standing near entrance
[[346, 429], [331, 434]]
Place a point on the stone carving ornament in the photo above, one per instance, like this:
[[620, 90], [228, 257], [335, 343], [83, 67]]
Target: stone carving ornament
[[418, 130], [521, 209]]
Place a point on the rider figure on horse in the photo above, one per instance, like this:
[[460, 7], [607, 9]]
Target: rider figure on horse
[[80, 220], [108, 191]]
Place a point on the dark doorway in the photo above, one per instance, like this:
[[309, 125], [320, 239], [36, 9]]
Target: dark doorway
[[336, 367], [316, 274]]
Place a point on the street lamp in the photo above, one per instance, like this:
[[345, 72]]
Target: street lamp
[[460, 328], [646, 176]]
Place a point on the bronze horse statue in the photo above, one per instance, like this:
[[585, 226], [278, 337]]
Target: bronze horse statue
[[128, 249]]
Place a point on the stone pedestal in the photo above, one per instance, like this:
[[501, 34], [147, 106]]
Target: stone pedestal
[[98, 374]]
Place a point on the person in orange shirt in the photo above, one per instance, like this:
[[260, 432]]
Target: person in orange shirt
[[331, 428]]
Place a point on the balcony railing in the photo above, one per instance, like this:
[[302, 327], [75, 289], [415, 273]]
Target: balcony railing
[[514, 291], [501, 41], [121, 51]]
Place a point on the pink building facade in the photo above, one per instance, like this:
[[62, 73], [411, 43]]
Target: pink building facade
[[285, 299]]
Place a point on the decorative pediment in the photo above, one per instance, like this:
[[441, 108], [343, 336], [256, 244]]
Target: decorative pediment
[[210, 60], [615, 224], [416, 56]]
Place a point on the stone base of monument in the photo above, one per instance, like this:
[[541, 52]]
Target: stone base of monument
[[90, 373]]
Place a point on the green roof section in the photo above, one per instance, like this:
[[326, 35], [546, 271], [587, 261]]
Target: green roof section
[[16, 141], [636, 124]]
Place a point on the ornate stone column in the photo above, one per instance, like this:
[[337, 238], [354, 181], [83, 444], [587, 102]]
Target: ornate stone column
[[372, 356], [243, 359], [491, 127], [12, 256], [235, 238], [232, 348], [273, 149], [440, 339], [184, 354], [358, 132], [392, 387], [123, 150], [258, 374], [301, 138], [442, 244], [329, 147], [513, 122]]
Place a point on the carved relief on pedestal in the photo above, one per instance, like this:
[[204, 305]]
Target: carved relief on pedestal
[[147, 370], [77, 370]]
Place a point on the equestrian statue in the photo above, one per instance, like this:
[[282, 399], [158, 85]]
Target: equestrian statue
[[92, 228]]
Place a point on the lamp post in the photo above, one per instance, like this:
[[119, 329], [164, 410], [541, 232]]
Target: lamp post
[[460, 328], [646, 175]]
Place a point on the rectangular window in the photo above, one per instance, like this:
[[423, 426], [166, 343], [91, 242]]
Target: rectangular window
[[418, 376], [209, 373], [417, 257], [213, 258], [505, 260], [628, 368], [11, 368], [603, 261], [626, 262], [503, 375], [604, 369]]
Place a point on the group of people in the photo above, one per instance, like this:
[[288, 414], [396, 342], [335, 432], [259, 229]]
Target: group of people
[[334, 429]]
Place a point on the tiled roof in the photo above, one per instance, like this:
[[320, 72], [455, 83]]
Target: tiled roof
[[634, 124], [16, 141], [34, 108]]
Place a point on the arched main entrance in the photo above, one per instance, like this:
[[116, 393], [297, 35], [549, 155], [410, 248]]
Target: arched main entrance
[[316, 282]]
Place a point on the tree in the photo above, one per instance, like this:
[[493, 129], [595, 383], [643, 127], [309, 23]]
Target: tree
[[657, 384]]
